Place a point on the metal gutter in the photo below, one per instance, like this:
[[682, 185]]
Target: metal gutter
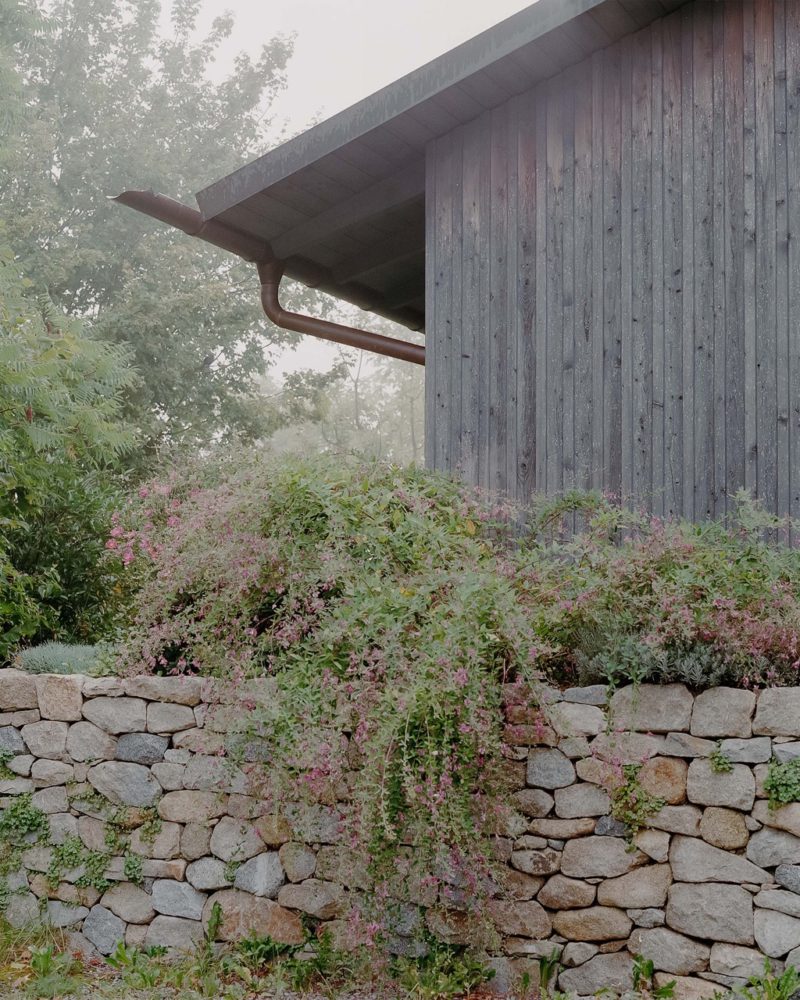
[[270, 271]]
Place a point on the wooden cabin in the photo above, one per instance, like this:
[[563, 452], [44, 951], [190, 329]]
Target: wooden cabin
[[593, 211]]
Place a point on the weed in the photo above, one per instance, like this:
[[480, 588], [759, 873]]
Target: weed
[[782, 783], [771, 987], [643, 974], [631, 804], [54, 973], [720, 762], [132, 868], [446, 971], [548, 969]]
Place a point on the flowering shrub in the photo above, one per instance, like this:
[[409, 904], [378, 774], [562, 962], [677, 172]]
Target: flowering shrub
[[405, 611]]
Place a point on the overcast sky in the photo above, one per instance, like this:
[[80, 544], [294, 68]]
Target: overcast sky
[[346, 50]]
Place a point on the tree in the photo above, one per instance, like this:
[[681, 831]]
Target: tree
[[108, 104]]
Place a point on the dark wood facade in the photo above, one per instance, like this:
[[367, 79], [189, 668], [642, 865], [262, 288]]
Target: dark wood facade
[[613, 271]]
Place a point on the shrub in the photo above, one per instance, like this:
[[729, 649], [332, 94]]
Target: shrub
[[403, 610], [61, 658]]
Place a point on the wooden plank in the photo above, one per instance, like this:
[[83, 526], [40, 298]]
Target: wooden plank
[[793, 155], [567, 373], [704, 416], [641, 348], [431, 332], [456, 388], [583, 295], [627, 268], [734, 258], [527, 157], [484, 294], [673, 266], [397, 247], [555, 299], [782, 330], [749, 199], [658, 428], [720, 332], [513, 443], [471, 334], [498, 314], [540, 109], [688, 323], [612, 270], [406, 185], [766, 221], [598, 381], [443, 298]]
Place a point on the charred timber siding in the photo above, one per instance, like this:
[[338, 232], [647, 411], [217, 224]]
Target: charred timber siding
[[614, 276]]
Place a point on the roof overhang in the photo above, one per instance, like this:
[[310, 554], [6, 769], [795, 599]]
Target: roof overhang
[[342, 205]]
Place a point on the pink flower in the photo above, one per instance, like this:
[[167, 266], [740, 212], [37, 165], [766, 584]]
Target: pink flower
[[461, 677]]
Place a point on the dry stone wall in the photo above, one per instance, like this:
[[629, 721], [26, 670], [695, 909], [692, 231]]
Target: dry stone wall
[[148, 825]]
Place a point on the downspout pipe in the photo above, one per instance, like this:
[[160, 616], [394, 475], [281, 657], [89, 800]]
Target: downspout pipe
[[270, 271]]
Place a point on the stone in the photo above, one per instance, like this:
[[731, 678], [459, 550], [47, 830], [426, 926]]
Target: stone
[[595, 923], [724, 912], [245, 915], [311, 823], [169, 776], [686, 988], [195, 841], [60, 696], [16, 786], [341, 864], [669, 951], [562, 829], [549, 768], [594, 694], [180, 690], [574, 747], [789, 877], [693, 860], [166, 718], [543, 862], [665, 778], [93, 833], [642, 888], [647, 918], [136, 935], [611, 972], [779, 899], [607, 826], [207, 874], [86, 742], [22, 764], [604, 857], [518, 885], [199, 741], [81, 947], [735, 789], [576, 953], [778, 712], [95, 687], [653, 843], [733, 960], [723, 711], [768, 848], [583, 799], [622, 748], [262, 875], [527, 919], [151, 868], [562, 893], [141, 748], [530, 843], [209, 773], [755, 751], [164, 845], [18, 719], [104, 929], [299, 862], [652, 708], [191, 807], [125, 784], [323, 900], [784, 752], [58, 914], [62, 826], [235, 840], [533, 802], [116, 715], [573, 719], [129, 902], [51, 800], [46, 739], [175, 933], [22, 909], [177, 899], [45, 773], [684, 745], [776, 933], [17, 690], [784, 818], [273, 829], [724, 828]]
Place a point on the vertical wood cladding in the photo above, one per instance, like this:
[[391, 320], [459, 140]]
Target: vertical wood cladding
[[614, 275]]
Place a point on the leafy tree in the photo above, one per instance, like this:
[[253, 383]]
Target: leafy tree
[[109, 103]]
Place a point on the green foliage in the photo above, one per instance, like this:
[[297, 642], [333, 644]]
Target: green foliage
[[632, 804], [72, 855], [445, 972], [22, 823], [257, 953], [770, 986], [720, 762], [132, 869], [643, 979], [548, 969], [782, 783], [54, 973], [59, 658]]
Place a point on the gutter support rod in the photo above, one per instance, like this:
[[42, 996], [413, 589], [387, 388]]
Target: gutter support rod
[[270, 272]]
